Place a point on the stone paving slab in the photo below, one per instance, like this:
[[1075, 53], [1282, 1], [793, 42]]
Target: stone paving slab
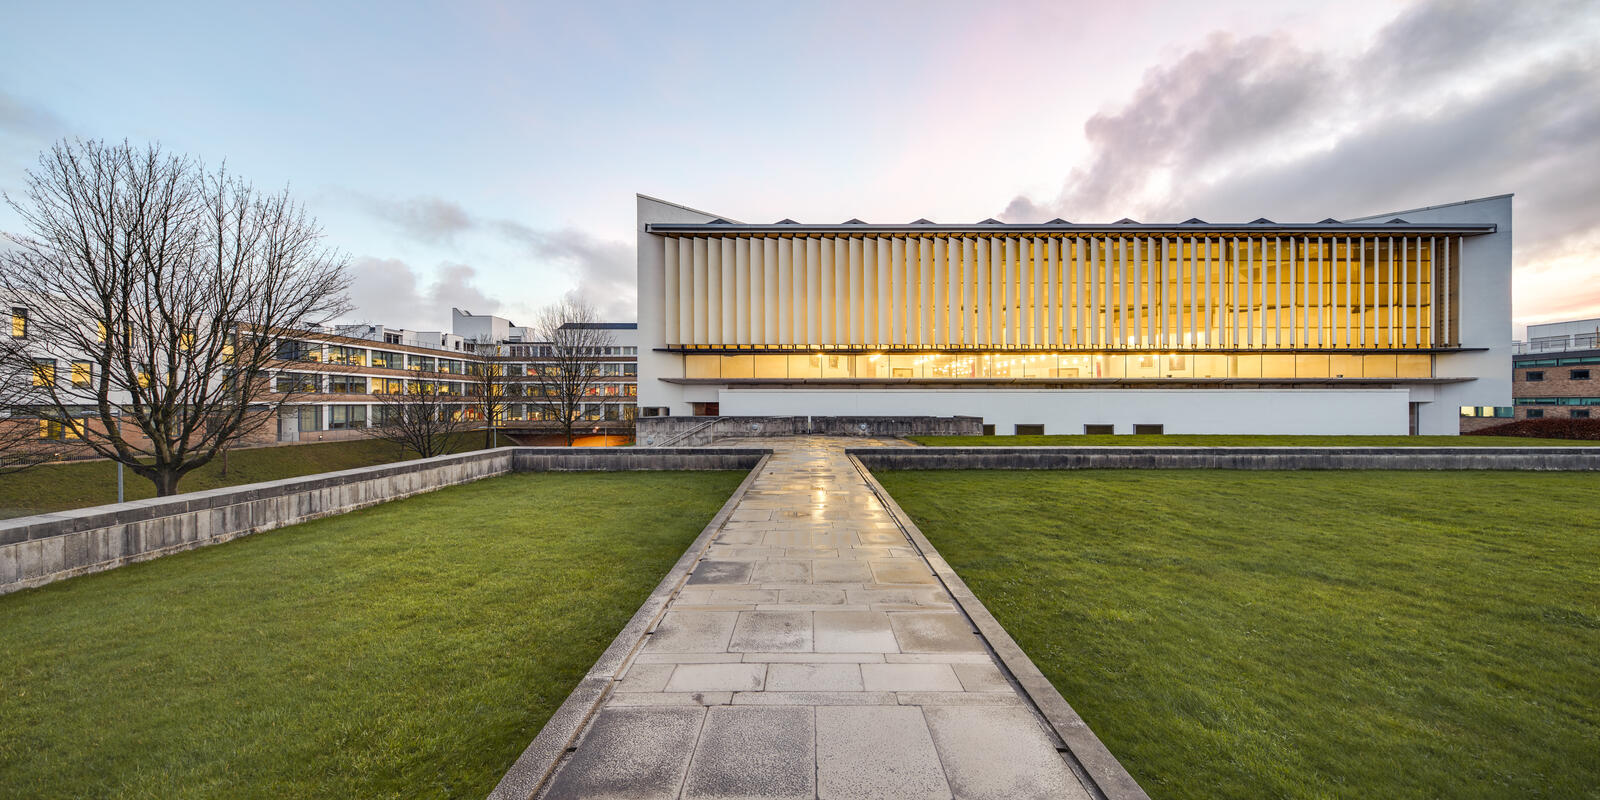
[[813, 652]]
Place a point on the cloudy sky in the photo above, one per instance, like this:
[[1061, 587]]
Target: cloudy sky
[[485, 155]]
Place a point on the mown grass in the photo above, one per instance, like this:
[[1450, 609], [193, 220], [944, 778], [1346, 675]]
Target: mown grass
[[1300, 634], [408, 650], [54, 487], [1209, 440]]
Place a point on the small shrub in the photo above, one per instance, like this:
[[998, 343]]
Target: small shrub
[[1554, 428]]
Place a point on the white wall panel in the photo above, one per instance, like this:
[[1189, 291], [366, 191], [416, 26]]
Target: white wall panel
[[1180, 411]]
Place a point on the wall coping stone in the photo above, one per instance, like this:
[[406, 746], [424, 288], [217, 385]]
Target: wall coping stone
[[66, 521]]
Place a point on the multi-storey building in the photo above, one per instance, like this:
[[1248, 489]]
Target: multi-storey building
[[340, 376], [1383, 324]]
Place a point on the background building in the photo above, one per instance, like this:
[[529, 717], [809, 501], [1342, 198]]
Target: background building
[[1555, 371], [340, 375], [1383, 324], [342, 372]]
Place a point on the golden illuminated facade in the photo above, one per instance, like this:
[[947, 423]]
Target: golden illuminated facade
[[1357, 303]]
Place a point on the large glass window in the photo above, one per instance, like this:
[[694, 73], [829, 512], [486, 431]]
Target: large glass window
[[1044, 366], [347, 384], [387, 360], [701, 366], [82, 374], [354, 356], [342, 417], [288, 382]]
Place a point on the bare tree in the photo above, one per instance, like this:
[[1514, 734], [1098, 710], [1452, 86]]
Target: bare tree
[[159, 287], [421, 419], [490, 386], [569, 369]]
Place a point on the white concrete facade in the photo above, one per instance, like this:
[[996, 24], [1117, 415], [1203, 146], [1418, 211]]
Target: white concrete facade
[[1317, 411], [1271, 320]]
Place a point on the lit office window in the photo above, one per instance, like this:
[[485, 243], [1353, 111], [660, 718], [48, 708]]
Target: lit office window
[[44, 371], [19, 322]]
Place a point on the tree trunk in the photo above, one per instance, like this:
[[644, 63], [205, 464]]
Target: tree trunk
[[166, 483]]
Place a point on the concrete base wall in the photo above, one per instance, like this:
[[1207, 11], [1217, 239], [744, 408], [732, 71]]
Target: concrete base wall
[[1577, 459], [1225, 411], [696, 431], [44, 548]]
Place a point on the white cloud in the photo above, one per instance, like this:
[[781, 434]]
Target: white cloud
[[388, 291], [601, 270]]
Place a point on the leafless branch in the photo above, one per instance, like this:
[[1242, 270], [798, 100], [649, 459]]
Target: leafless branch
[[159, 287], [569, 373], [421, 419]]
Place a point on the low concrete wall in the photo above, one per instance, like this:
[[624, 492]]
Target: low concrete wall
[[705, 430], [1273, 458], [44, 548], [598, 459]]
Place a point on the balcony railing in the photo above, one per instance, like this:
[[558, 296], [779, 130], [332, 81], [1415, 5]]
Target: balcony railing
[[1557, 344]]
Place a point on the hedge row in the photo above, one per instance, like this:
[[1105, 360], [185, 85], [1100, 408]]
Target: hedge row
[[1554, 428]]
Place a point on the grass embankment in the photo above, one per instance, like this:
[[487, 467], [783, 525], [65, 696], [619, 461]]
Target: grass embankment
[[408, 650], [55, 487], [1209, 440], [1300, 634]]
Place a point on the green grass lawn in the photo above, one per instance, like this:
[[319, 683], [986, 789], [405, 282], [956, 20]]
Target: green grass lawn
[[1300, 634], [1208, 440], [54, 487], [408, 650]]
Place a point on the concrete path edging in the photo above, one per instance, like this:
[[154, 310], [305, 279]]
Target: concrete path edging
[[528, 775], [1097, 768]]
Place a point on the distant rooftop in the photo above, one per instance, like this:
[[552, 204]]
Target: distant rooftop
[[603, 326]]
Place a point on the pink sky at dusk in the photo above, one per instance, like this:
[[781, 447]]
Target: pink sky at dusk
[[485, 154]]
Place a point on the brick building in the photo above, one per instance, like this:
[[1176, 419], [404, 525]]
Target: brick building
[[1556, 373], [341, 374]]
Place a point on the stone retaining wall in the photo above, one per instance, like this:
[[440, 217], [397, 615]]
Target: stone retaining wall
[[1270, 458], [651, 430], [44, 548]]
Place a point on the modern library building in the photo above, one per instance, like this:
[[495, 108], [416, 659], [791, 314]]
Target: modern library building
[[1386, 324]]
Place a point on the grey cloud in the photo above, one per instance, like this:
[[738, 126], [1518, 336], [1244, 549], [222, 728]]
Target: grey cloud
[[1511, 140], [1430, 38], [388, 291], [1436, 109], [428, 219], [1212, 104]]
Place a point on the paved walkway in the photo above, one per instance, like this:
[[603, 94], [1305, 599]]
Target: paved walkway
[[813, 654]]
